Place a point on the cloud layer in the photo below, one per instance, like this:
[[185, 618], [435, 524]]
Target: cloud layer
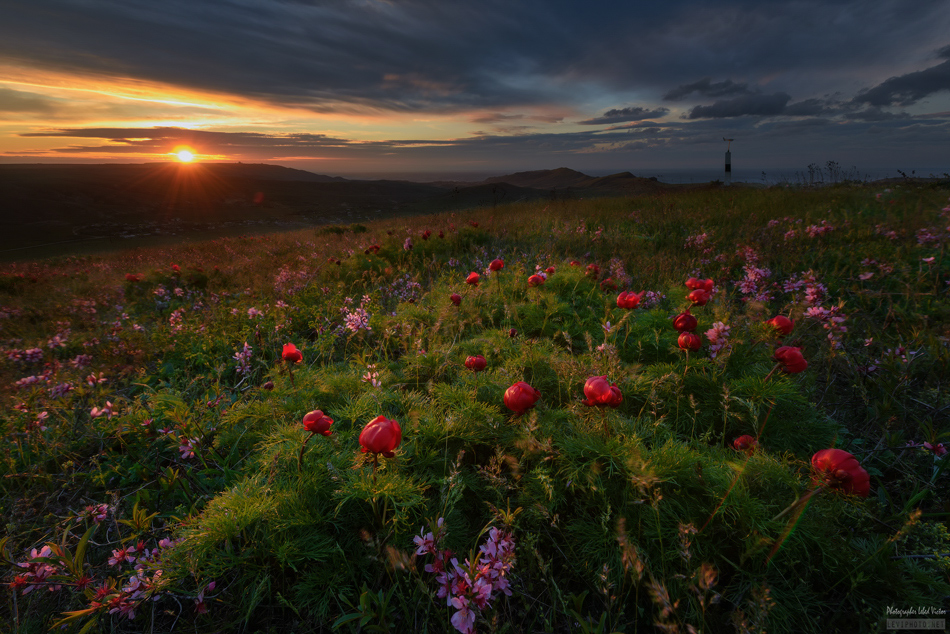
[[360, 78]]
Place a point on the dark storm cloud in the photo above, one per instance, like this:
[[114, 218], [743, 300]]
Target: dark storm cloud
[[906, 90], [761, 105], [811, 108], [706, 88], [453, 55], [620, 115]]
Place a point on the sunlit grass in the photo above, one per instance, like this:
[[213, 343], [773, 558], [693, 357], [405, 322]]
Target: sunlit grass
[[146, 399]]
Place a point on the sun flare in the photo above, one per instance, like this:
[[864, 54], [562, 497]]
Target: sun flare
[[185, 156]]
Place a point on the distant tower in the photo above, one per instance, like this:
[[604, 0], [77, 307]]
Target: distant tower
[[728, 160]]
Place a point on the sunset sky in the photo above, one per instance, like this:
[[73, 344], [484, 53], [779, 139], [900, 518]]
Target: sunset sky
[[353, 87]]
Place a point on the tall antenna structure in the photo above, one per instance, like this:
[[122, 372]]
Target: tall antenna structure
[[728, 160]]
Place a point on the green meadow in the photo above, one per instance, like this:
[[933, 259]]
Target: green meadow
[[157, 474]]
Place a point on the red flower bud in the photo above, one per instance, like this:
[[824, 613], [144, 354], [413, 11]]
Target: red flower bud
[[535, 280], [456, 299], [685, 322], [689, 341], [745, 443], [782, 324], [600, 393], [472, 279], [497, 264], [512, 333], [593, 271], [316, 422], [628, 299], [476, 363], [837, 469], [381, 435], [696, 284], [549, 270], [290, 354], [521, 397], [133, 277], [608, 285], [791, 359], [699, 297]]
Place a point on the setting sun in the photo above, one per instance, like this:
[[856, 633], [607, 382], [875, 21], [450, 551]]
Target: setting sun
[[185, 156]]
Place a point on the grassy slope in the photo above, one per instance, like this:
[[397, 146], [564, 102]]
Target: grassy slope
[[602, 505]]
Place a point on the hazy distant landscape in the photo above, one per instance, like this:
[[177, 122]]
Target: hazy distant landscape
[[59, 209]]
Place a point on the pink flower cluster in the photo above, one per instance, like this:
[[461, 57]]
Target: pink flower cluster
[[831, 319], [718, 337], [356, 320], [290, 282], [650, 299], [815, 231], [815, 291], [32, 355], [94, 512], [469, 587], [243, 359], [755, 284], [36, 572], [696, 241], [882, 230]]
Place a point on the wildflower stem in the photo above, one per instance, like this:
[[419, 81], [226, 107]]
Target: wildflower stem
[[300, 455], [798, 503]]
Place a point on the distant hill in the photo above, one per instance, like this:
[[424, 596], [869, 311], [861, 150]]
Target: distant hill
[[562, 178], [123, 205], [544, 179]]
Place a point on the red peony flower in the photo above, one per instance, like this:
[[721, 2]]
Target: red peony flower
[[381, 436], [628, 299], [689, 341], [316, 422], [535, 280], [290, 354], [549, 270], [521, 397], [593, 271], [746, 444], [476, 363], [782, 324], [791, 359], [696, 284], [176, 268], [837, 469], [600, 393], [456, 299], [512, 333], [497, 264], [608, 285], [699, 297], [472, 279], [133, 277], [685, 322]]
